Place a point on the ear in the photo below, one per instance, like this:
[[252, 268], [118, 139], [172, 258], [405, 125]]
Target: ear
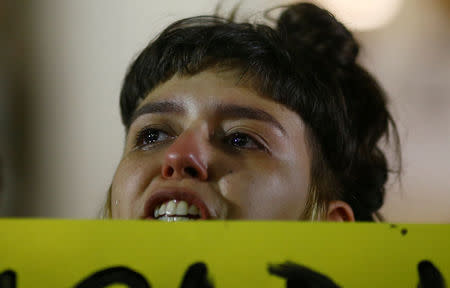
[[340, 211]]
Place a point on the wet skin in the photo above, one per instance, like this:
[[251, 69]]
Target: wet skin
[[241, 154]]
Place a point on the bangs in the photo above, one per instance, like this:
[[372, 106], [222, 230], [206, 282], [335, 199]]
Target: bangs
[[193, 45]]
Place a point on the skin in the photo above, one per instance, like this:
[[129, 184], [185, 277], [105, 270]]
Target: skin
[[241, 168]]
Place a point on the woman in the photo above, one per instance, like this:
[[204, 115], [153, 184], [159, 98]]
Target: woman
[[239, 121]]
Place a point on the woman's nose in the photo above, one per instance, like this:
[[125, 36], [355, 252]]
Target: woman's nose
[[186, 158]]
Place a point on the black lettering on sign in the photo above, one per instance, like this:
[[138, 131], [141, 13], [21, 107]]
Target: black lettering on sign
[[8, 279], [429, 276], [114, 275], [196, 276], [300, 276]]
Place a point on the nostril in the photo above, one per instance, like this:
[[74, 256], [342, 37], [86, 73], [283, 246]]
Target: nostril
[[191, 172], [169, 171]]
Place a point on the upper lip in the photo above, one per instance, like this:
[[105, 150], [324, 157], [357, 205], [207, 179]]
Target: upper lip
[[165, 194]]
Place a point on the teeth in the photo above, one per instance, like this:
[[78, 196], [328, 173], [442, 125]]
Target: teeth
[[175, 219], [180, 218], [171, 207], [162, 209], [175, 210], [182, 208], [193, 210]]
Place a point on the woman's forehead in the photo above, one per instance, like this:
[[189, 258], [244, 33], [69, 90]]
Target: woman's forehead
[[210, 90]]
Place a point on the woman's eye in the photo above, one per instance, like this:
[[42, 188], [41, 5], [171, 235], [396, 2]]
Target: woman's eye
[[241, 140], [151, 136]]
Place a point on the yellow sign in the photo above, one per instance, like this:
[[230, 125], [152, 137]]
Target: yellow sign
[[87, 253]]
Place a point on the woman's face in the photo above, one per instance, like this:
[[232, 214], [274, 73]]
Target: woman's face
[[203, 147]]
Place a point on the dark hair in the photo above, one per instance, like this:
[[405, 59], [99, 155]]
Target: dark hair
[[306, 63]]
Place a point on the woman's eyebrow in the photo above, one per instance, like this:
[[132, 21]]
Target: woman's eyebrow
[[157, 107], [236, 111], [224, 110]]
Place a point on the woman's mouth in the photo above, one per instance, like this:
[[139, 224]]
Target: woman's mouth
[[176, 210], [173, 205]]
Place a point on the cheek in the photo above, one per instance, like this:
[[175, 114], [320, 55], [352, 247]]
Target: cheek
[[272, 191], [132, 177]]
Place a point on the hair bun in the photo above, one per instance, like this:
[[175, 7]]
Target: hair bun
[[306, 25]]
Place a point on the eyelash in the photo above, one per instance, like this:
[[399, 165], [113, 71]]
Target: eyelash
[[142, 142], [232, 139], [255, 146]]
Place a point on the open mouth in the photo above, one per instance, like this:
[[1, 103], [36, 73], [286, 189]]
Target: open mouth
[[176, 210], [175, 206]]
